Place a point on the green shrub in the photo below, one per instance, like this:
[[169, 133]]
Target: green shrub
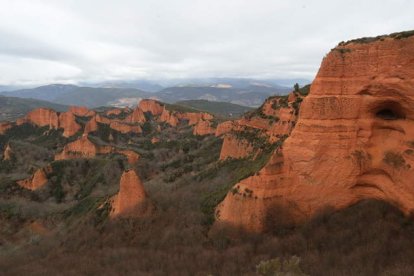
[[280, 267]]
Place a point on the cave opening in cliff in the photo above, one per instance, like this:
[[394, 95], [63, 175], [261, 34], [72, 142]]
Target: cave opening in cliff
[[389, 111], [387, 114]]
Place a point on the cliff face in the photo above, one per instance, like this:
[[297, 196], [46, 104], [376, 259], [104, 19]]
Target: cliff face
[[168, 117], [125, 128], [43, 117], [47, 117], [203, 128], [152, 106], [137, 116], [273, 120], [353, 141], [235, 148], [131, 200], [82, 148], [67, 121], [81, 111]]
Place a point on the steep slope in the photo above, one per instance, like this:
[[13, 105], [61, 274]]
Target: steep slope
[[353, 140]]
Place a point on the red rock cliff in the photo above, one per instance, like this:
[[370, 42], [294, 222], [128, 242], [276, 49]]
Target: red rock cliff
[[43, 117], [131, 200], [67, 121], [353, 141], [82, 148], [152, 106]]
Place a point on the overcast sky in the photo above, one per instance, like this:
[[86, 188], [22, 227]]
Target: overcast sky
[[93, 40]]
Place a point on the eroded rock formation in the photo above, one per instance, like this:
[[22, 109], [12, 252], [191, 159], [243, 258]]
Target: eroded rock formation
[[203, 128], [43, 117], [38, 180], [137, 116], [152, 106], [169, 118], [8, 152], [82, 148], [131, 200], [125, 128], [67, 121], [81, 111], [353, 141], [235, 148]]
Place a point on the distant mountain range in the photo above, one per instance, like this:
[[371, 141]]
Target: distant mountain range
[[246, 92]]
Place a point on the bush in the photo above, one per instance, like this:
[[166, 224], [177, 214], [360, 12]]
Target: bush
[[279, 267]]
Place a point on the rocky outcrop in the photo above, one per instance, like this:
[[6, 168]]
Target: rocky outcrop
[[37, 181], [114, 112], [81, 111], [169, 118], [225, 127], [125, 128], [43, 117], [82, 148], [67, 121], [8, 152], [47, 117], [131, 200], [4, 126], [352, 141], [137, 116], [91, 126], [235, 148], [203, 128], [152, 106]]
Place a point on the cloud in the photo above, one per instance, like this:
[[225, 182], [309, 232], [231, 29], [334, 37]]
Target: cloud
[[72, 40]]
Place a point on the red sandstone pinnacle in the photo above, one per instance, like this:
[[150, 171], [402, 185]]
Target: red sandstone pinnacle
[[8, 152], [353, 140], [168, 117], [38, 180], [131, 200], [152, 106], [67, 121], [137, 116]]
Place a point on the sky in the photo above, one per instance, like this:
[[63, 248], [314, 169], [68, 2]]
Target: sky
[[72, 41]]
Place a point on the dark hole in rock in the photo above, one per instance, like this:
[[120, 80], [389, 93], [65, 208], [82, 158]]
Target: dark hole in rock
[[387, 114]]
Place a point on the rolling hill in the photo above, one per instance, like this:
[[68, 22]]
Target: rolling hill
[[12, 108], [218, 108]]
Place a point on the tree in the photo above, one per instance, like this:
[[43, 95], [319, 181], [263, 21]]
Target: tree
[[296, 87]]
